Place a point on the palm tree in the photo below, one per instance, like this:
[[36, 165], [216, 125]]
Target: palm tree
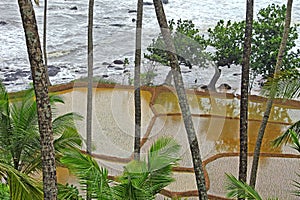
[[244, 94], [271, 96], [19, 134], [39, 76], [140, 179], [186, 113], [137, 81]]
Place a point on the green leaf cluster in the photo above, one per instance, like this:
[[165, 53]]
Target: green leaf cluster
[[227, 39], [189, 44]]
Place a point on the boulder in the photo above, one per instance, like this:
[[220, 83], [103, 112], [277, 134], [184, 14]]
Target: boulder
[[147, 3], [132, 11], [118, 25], [3, 23], [53, 70], [118, 62], [224, 86], [74, 8]]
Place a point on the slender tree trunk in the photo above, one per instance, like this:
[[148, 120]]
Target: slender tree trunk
[[39, 77], [186, 114], [89, 112], [137, 80], [244, 94], [45, 40], [272, 94]]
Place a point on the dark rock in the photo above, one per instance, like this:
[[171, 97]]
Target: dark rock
[[104, 76], [10, 77], [147, 3], [185, 72], [106, 17], [74, 8], [118, 25], [111, 66], [119, 68], [3, 23], [118, 62], [132, 11], [105, 63], [165, 1], [21, 73], [133, 20], [224, 86], [236, 74], [126, 70], [53, 70], [76, 71]]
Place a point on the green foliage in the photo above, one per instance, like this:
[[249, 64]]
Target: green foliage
[[20, 185], [20, 141], [4, 192], [126, 62], [287, 135], [268, 31], [140, 179], [227, 39], [239, 189], [189, 45], [287, 85], [68, 192]]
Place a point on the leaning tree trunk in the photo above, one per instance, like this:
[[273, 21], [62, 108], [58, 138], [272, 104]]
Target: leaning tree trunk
[[137, 80], [244, 94], [186, 114], [89, 110], [271, 95], [39, 77]]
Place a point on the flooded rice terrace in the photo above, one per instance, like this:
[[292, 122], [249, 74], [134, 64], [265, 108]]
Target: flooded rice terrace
[[114, 32], [216, 122]]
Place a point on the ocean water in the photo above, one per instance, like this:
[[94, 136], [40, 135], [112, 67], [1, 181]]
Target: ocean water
[[114, 36]]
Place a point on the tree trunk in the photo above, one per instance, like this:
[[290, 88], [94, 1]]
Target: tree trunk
[[244, 95], [39, 77], [89, 111], [45, 41], [272, 94], [137, 80], [186, 114]]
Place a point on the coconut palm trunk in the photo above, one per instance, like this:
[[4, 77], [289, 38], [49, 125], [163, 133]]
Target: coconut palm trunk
[[39, 77], [244, 94], [271, 95], [137, 80], [186, 114]]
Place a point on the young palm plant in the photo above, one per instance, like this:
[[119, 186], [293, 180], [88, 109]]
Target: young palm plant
[[20, 140], [140, 180]]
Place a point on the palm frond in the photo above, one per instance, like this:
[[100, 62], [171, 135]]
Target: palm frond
[[68, 192], [287, 85], [296, 184], [89, 173], [21, 186], [286, 136], [239, 189]]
